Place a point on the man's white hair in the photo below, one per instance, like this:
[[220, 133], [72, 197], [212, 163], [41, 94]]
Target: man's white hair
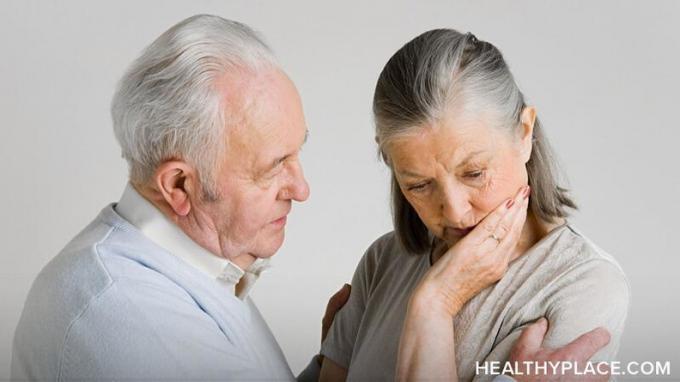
[[167, 105]]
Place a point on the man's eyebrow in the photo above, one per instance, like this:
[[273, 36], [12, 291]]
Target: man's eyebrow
[[280, 159], [277, 161]]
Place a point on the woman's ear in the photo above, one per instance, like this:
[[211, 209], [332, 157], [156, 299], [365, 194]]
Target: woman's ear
[[527, 120], [176, 181]]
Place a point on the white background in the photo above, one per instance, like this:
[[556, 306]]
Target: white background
[[603, 76]]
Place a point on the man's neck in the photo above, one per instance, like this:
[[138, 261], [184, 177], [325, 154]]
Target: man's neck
[[203, 234]]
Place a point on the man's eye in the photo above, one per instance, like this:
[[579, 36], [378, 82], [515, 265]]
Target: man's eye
[[274, 170]]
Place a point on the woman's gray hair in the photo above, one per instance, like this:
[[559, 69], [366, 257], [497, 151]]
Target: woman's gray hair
[[168, 106], [432, 73]]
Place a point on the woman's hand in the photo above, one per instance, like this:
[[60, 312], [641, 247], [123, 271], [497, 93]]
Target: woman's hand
[[426, 346], [476, 261]]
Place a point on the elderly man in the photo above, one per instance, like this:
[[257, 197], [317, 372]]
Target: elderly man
[[156, 287]]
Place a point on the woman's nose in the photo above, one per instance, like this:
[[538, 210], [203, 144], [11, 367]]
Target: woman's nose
[[455, 205]]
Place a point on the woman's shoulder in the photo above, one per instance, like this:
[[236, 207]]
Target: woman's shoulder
[[387, 252], [582, 286], [386, 241], [572, 258], [388, 247], [584, 251]]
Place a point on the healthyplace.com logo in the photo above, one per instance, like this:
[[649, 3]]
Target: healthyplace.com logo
[[613, 368]]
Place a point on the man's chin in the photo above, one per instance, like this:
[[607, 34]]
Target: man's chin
[[271, 247]]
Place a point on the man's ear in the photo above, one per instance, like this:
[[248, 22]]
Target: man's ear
[[527, 120], [177, 182]]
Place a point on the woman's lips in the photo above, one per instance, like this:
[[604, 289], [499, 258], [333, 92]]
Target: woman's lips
[[461, 232]]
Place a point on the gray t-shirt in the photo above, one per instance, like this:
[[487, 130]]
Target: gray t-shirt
[[564, 277]]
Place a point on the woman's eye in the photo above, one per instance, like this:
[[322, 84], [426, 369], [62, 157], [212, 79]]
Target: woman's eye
[[418, 187], [474, 174]]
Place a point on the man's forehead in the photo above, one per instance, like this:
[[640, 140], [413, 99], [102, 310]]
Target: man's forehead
[[271, 123]]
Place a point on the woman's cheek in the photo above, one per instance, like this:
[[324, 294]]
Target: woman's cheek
[[493, 193], [426, 209]]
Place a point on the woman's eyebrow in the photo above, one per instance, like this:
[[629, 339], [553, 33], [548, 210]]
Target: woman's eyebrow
[[410, 174], [469, 157]]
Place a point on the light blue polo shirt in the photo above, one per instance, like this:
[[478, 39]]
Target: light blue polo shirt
[[126, 301]]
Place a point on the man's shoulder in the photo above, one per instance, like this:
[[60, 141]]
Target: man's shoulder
[[76, 274], [95, 272], [104, 251], [59, 294]]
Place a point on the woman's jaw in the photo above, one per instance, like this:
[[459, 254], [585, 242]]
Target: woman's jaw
[[534, 229]]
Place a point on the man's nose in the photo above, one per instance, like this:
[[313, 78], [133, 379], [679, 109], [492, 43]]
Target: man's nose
[[298, 188]]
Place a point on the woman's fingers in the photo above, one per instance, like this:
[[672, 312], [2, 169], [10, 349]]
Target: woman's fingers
[[498, 224], [488, 225], [508, 224], [476, 261], [517, 219]]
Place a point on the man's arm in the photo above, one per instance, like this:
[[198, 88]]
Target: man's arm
[[319, 368], [332, 372]]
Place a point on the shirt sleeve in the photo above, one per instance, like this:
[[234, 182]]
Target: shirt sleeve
[[593, 294], [142, 332], [588, 296], [342, 335]]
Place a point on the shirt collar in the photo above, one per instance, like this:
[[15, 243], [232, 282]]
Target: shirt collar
[[134, 208]]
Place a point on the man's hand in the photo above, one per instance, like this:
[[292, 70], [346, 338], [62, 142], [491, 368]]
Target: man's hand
[[528, 348], [336, 302]]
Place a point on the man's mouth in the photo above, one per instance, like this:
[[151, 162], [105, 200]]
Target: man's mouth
[[280, 222]]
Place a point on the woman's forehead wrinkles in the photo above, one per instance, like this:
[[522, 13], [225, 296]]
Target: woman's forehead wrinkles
[[470, 157]]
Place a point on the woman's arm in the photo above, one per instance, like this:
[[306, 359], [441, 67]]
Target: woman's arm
[[595, 293], [426, 348], [589, 295]]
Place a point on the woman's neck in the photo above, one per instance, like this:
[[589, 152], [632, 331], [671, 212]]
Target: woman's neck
[[533, 231]]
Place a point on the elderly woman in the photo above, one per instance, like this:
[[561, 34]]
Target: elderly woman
[[475, 199]]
